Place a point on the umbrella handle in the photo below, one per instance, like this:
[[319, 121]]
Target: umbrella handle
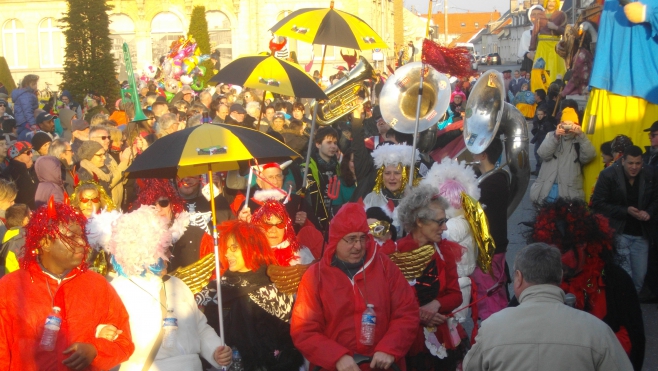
[[361, 359]]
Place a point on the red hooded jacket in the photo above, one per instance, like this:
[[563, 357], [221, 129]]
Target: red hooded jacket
[[86, 300], [326, 318]]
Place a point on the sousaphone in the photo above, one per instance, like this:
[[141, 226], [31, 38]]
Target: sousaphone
[[399, 97], [488, 116]]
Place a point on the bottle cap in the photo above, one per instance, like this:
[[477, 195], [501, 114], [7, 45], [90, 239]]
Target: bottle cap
[[57, 309], [370, 305]]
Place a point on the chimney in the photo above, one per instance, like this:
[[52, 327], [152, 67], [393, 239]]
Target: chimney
[[513, 5]]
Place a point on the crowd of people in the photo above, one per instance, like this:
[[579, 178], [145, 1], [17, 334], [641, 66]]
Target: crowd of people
[[362, 262]]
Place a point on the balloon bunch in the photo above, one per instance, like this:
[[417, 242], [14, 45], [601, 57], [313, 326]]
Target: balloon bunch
[[179, 67]]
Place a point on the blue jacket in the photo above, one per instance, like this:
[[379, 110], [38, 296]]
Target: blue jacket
[[25, 103]]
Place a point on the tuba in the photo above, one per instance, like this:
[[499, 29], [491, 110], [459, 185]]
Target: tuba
[[343, 95], [399, 98], [488, 115]]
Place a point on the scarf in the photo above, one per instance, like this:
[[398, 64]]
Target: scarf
[[102, 175]]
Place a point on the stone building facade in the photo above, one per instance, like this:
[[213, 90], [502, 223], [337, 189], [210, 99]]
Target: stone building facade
[[33, 43]]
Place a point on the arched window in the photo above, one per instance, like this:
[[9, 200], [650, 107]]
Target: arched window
[[13, 44], [166, 27], [219, 29], [122, 29], [51, 44]]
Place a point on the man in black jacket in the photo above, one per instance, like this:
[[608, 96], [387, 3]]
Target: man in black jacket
[[650, 157], [627, 194]]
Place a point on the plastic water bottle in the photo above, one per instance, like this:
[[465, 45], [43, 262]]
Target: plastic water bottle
[[570, 300], [368, 322], [53, 324], [170, 327], [237, 361]]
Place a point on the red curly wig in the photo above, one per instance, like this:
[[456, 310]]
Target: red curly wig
[[151, 189], [275, 208], [255, 248], [51, 221]]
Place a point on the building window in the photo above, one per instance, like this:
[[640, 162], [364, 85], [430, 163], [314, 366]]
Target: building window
[[13, 44], [122, 30], [51, 44], [463, 24], [219, 29], [166, 28], [477, 25]]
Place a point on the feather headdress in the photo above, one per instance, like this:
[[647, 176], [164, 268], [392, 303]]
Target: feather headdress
[[393, 154], [140, 240]]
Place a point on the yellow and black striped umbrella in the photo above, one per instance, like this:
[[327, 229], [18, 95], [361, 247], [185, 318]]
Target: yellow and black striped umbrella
[[328, 26], [196, 150], [270, 74]]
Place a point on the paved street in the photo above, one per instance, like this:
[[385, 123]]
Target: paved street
[[525, 212]]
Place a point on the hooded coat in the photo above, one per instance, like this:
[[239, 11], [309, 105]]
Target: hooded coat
[[65, 117], [86, 300], [326, 318], [49, 172], [25, 103], [26, 182]]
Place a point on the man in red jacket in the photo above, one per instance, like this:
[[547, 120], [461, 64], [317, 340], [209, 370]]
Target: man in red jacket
[[54, 274], [333, 294]]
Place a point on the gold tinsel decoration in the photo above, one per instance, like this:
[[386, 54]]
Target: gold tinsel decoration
[[413, 263], [479, 224], [196, 275], [379, 180]]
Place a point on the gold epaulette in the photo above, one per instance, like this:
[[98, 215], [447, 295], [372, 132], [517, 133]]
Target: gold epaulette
[[287, 279], [196, 275], [413, 263]]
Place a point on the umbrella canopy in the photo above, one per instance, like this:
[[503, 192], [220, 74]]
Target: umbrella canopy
[[270, 74], [327, 26], [196, 150]]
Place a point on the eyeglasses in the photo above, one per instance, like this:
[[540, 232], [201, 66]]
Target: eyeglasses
[[353, 240], [440, 222], [2, 105], [104, 137], [274, 177], [163, 202], [95, 200]]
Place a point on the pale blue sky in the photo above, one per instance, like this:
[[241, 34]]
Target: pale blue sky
[[460, 6]]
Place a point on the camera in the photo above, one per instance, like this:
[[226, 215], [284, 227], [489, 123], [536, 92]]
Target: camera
[[567, 127]]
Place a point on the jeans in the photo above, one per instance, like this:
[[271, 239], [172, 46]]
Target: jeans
[[634, 254]]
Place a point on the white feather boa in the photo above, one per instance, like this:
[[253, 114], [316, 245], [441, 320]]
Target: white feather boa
[[179, 226], [99, 229]]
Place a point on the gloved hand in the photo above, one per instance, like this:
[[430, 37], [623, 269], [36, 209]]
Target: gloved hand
[[636, 12]]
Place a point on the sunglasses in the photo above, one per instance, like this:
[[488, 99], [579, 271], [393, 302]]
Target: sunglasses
[[95, 200], [278, 225], [2, 105], [104, 137], [163, 203]]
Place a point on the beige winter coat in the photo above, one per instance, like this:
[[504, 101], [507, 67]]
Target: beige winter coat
[[560, 166], [544, 334]]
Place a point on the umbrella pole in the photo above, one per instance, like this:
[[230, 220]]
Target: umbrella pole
[[412, 168], [310, 143], [246, 201], [310, 139], [215, 243], [262, 111]]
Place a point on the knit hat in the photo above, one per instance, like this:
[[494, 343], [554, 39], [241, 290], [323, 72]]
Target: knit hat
[[79, 125], [39, 139], [350, 218], [569, 114], [88, 149], [18, 149]]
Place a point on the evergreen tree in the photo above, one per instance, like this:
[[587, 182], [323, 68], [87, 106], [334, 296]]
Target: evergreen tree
[[89, 64], [199, 30], [5, 76]]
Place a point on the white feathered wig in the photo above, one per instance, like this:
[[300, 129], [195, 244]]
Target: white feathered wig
[[140, 241], [394, 155], [452, 177]]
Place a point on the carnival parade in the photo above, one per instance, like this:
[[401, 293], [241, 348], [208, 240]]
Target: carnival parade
[[266, 212]]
